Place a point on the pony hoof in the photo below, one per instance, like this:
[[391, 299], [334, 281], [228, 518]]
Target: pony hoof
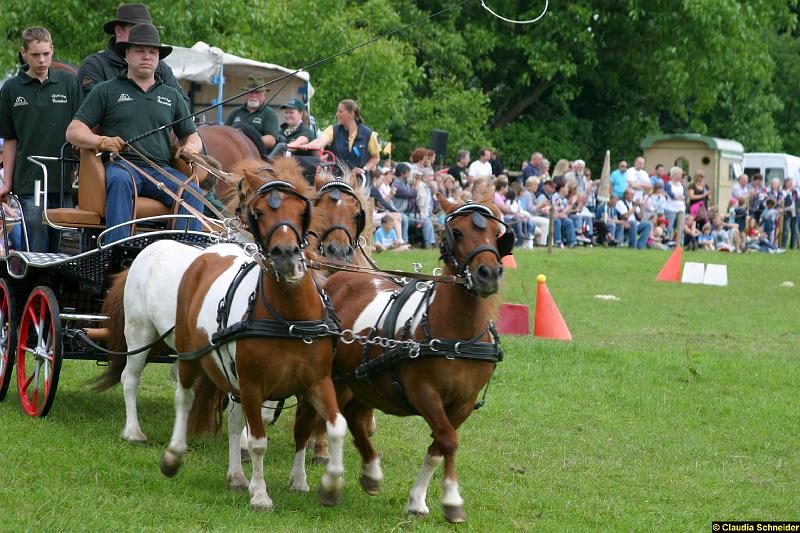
[[299, 487], [370, 486], [319, 460], [134, 436], [260, 507], [237, 482], [329, 498], [454, 514], [169, 467], [245, 455], [417, 514]]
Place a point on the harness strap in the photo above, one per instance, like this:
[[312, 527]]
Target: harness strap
[[337, 266]]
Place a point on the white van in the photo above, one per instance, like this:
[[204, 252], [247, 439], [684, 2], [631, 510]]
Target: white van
[[772, 166]]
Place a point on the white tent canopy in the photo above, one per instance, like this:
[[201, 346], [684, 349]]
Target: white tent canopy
[[209, 66]]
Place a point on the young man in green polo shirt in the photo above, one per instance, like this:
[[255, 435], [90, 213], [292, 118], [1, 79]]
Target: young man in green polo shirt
[[35, 108], [257, 115], [124, 107]]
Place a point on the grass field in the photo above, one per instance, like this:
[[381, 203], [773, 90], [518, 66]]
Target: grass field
[[674, 406]]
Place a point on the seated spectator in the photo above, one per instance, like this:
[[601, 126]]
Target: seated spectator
[[562, 223], [386, 238], [423, 217], [526, 218], [658, 235], [581, 220], [501, 188], [545, 166], [459, 169], [757, 240], [527, 201], [533, 168], [480, 189], [726, 235], [382, 194], [690, 233], [657, 201], [628, 213], [705, 240]]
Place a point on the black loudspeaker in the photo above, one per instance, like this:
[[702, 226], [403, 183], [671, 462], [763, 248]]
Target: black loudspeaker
[[439, 143]]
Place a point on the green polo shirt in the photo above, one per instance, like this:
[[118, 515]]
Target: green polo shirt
[[301, 131], [264, 119], [37, 115], [122, 109]]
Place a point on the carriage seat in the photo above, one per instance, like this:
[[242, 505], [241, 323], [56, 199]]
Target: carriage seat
[[92, 198]]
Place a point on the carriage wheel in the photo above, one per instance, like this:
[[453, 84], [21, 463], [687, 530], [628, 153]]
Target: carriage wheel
[[8, 332], [39, 352]]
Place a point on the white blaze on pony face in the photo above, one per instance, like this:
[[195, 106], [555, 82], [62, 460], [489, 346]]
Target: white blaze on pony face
[[369, 315]]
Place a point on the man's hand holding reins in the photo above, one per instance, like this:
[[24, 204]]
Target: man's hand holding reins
[[110, 144]]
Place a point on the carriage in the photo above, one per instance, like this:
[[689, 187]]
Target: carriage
[[50, 302]]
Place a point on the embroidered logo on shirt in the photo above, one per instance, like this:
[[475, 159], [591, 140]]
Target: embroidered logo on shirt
[[124, 98], [257, 120], [20, 101], [58, 98], [164, 100]]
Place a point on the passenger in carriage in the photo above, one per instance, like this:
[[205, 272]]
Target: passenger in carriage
[[255, 118], [108, 64], [125, 107], [295, 125], [351, 141], [35, 108]]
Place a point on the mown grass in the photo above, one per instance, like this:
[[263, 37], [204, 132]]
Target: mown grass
[[674, 406]]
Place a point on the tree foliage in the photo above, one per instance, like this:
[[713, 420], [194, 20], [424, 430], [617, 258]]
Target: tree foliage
[[592, 75]]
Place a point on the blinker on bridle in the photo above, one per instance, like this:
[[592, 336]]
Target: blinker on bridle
[[479, 214]]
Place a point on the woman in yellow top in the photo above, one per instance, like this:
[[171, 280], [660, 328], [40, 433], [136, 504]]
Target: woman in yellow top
[[351, 141]]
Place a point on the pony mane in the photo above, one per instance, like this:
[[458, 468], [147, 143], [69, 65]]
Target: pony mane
[[289, 170]]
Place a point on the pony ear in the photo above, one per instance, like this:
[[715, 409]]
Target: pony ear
[[254, 181], [446, 204]]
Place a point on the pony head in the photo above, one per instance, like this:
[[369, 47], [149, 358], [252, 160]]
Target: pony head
[[474, 241], [339, 217], [279, 215]]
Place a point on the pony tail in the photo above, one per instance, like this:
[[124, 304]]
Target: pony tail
[[207, 407], [114, 308]]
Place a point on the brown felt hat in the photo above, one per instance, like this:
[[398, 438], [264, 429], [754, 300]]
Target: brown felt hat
[[144, 35], [128, 14]]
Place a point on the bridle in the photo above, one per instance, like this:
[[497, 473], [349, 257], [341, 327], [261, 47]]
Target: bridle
[[272, 189], [479, 214], [335, 189]]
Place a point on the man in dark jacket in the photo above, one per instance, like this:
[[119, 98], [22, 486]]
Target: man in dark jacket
[[108, 64]]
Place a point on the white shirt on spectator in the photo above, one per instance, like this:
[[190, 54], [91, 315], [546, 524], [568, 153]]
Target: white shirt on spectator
[[477, 169], [677, 206], [623, 208], [637, 177], [738, 191]]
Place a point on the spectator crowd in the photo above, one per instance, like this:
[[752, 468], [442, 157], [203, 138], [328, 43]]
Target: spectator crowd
[[633, 208]]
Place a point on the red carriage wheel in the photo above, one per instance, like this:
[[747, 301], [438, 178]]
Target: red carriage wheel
[[8, 333], [39, 352]]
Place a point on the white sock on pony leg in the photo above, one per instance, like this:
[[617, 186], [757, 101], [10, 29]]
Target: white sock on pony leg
[[333, 478], [298, 479], [172, 458], [130, 379], [259, 498], [236, 423], [419, 492]]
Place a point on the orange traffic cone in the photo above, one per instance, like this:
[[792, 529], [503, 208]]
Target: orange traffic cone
[[508, 261], [548, 322], [672, 268]]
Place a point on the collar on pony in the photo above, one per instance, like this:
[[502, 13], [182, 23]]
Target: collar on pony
[[273, 190], [480, 214], [334, 189]]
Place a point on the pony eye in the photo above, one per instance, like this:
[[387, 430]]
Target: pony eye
[[457, 234], [257, 214]]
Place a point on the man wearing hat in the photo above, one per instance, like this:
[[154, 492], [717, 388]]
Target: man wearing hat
[[294, 127], [108, 64], [126, 106], [255, 118]]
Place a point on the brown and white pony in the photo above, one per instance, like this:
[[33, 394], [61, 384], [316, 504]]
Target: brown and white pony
[[344, 213], [255, 369], [443, 390]]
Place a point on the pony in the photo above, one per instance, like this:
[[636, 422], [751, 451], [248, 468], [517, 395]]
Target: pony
[[449, 353], [128, 370], [290, 356], [230, 147]]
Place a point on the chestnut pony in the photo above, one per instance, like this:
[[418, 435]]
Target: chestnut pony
[[457, 350], [277, 294], [229, 146]]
